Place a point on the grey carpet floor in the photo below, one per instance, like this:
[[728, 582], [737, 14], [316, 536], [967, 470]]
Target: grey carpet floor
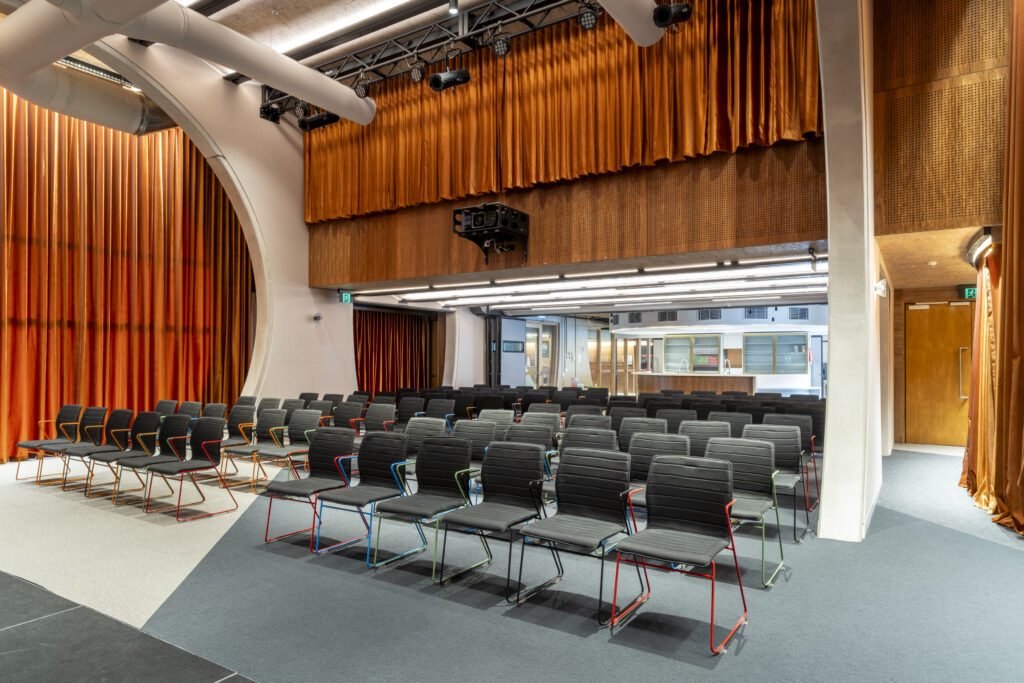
[[930, 595]]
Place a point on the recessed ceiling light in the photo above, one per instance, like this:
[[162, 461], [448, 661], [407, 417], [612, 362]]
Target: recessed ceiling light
[[604, 273], [391, 290]]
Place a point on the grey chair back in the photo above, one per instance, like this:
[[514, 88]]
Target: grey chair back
[[115, 431], [591, 483], [706, 408], [737, 421], [618, 413], [645, 446], [377, 414], [164, 407], [508, 470], [335, 399], [538, 434], [241, 415], [190, 408], [439, 407], [308, 396], [327, 444], [673, 416], [554, 408], [589, 438], [345, 412], [753, 462], [325, 408], [267, 424], [420, 428], [585, 420], [786, 439], [385, 397], [90, 427], [689, 494], [377, 453], [145, 423], [289, 406], [549, 420], [408, 406], [804, 422], [267, 404], [304, 422], [214, 410], [66, 424], [172, 430], [632, 425], [438, 461], [564, 397], [500, 417], [479, 433], [700, 431], [583, 409], [207, 433]]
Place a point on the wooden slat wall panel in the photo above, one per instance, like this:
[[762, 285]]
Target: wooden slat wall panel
[[756, 196]]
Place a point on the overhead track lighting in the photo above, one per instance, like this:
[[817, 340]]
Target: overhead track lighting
[[416, 71], [317, 121], [453, 6], [362, 86], [501, 43], [448, 79], [587, 16], [667, 15]]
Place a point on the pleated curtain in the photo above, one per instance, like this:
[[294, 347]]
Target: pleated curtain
[[391, 350]]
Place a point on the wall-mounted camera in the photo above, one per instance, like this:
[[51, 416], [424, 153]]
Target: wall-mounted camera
[[317, 317]]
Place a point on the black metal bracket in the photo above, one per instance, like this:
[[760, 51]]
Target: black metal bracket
[[493, 226]]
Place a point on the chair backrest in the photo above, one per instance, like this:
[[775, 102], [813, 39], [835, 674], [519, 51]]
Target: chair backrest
[[420, 428], [507, 471], [704, 409], [533, 396], [304, 422], [325, 408], [408, 406], [589, 437], [662, 403], [289, 406], [165, 407], [90, 427], [541, 435], [549, 420], [700, 431], [147, 422], [335, 399], [620, 412], [621, 402], [214, 410], [385, 397], [673, 416], [786, 439], [767, 394], [564, 397], [113, 435], [327, 444], [439, 459], [377, 414], [345, 412], [358, 397], [246, 401], [644, 446], [643, 397], [598, 393], [204, 431], [267, 404], [508, 399], [583, 409], [489, 402], [190, 408], [738, 394], [631, 425], [590, 483], [440, 407], [703, 392], [240, 415], [753, 462], [377, 453], [480, 433], [462, 401], [308, 396], [737, 421], [173, 427], [271, 418], [689, 494], [499, 416], [553, 408], [586, 420], [804, 422], [68, 415]]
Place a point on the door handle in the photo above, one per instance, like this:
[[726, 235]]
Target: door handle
[[960, 371]]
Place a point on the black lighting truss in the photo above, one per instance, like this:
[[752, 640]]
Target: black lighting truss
[[442, 40]]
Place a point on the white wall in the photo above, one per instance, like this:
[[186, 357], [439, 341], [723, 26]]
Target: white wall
[[464, 353], [513, 364]]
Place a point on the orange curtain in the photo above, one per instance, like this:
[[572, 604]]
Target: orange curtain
[[566, 103], [125, 275], [392, 350]]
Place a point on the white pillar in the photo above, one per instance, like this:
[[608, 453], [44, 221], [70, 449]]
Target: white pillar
[[464, 357], [852, 463]]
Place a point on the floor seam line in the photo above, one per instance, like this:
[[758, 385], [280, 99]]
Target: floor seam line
[[45, 616], [230, 675]]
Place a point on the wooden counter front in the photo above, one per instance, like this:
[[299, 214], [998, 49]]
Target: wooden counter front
[[653, 383]]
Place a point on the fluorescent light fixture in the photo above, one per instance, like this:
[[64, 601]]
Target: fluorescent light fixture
[[667, 300], [780, 259], [603, 273], [756, 298], [463, 284], [346, 20], [390, 290], [655, 269], [646, 303], [528, 279]]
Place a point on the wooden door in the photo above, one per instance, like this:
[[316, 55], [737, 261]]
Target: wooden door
[[938, 367]]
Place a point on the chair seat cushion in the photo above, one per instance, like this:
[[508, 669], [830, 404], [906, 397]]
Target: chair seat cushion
[[304, 487], [671, 545], [572, 529], [113, 456], [490, 516], [423, 505], [749, 505], [87, 450], [60, 447], [178, 467], [360, 495], [787, 479], [234, 441], [272, 452], [39, 443], [145, 461]]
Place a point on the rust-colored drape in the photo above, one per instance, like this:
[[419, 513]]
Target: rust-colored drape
[[392, 350], [566, 103], [126, 278]]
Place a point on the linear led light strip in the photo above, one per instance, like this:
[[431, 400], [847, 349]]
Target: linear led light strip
[[766, 293], [648, 291], [717, 275]]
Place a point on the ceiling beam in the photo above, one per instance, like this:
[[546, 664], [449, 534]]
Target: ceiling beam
[[208, 7]]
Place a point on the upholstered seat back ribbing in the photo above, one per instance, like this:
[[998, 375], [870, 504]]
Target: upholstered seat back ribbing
[[335, 399], [463, 400], [662, 403], [377, 453], [786, 439], [591, 482], [564, 397], [214, 410], [540, 435], [700, 431], [645, 446], [689, 494], [246, 401], [508, 470], [803, 422], [408, 406], [66, 423], [420, 428], [673, 416], [377, 414], [145, 423], [488, 402], [325, 446], [753, 462], [737, 421], [500, 417], [618, 413], [583, 409], [190, 408], [204, 431], [589, 437], [308, 396], [553, 408], [303, 422], [439, 459], [592, 421], [704, 408], [289, 406], [479, 433], [549, 420], [271, 418], [347, 411], [165, 407], [633, 425], [439, 407], [534, 397], [325, 408], [240, 415], [90, 428], [171, 429], [385, 397], [362, 397], [115, 431], [267, 404]]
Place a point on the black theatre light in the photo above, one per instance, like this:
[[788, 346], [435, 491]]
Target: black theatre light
[[501, 45], [666, 15], [416, 70], [318, 121], [587, 17], [448, 79], [453, 6], [362, 87]]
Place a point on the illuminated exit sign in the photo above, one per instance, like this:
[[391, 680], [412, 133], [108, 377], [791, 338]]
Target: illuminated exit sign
[[968, 292], [346, 298]]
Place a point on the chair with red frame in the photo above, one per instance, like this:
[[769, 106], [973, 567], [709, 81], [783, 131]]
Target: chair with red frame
[[380, 417], [66, 430], [328, 469], [688, 524], [207, 434]]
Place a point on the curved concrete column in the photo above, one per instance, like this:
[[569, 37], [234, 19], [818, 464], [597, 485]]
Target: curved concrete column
[[260, 166]]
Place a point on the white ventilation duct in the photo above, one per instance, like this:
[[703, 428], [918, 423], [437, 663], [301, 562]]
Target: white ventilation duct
[[636, 17]]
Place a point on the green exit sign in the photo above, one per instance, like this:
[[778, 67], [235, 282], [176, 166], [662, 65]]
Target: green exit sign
[[968, 292], [346, 297]]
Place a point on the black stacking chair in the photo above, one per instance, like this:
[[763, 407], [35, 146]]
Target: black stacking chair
[[599, 394], [207, 434], [420, 428], [500, 417], [767, 395], [737, 394], [442, 476], [380, 417], [654, 405], [592, 489], [532, 397], [585, 420], [169, 440], [700, 431], [267, 404], [621, 402], [346, 411], [361, 397], [753, 487], [620, 412], [89, 433], [335, 399], [549, 420], [289, 406], [756, 411], [246, 401], [408, 408], [705, 409], [114, 440], [674, 416], [270, 428], [483, 402], [553, 408], [308, 396], [737, 421], [193, 409], [388, 397], [478, 433], [643, 397], [133, 444], [303, 425], [460, 411], [789, 464], [326, 410], [166, 407], [408, 391], [688, 523], [65, 432], [328, 469], [564, 398], [509, 399], [439, 407], [214, 410], [633, 425], [538, 434], [240, 426], [381, 459], [583, 409], [806, 425], [508, 472], [643, 448], [586, 438]]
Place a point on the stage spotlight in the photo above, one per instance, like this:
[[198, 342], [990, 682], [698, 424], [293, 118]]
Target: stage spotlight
[[362, 87], [318, 121], [666, 15], [453, 6], [501, 45], [416, 71], [587, 17], [448, 79]]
